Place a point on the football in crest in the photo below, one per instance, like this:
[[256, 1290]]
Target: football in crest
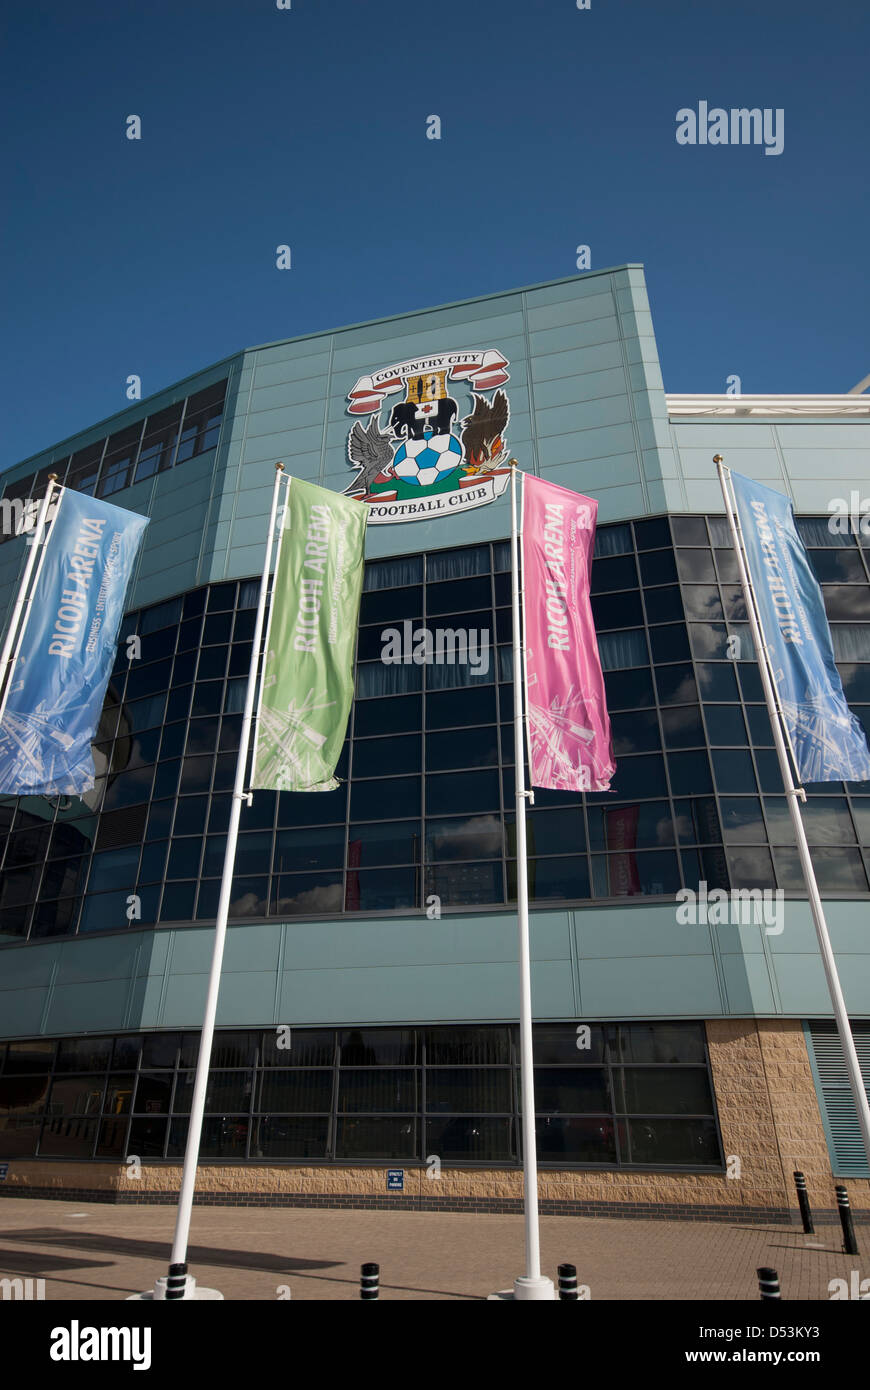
[[426, 461]]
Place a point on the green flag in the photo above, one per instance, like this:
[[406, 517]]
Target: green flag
[[308, 670]]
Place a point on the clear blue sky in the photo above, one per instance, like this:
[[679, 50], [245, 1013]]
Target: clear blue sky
[[262, 126]]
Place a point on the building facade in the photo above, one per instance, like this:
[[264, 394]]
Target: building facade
[[370, 983]]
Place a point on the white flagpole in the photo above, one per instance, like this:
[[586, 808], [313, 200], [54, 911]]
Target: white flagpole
[[177, 1284], [794, 795], [7, 668], [532, 1286]]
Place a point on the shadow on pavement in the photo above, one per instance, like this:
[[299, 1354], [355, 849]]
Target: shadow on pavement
[[159, 1250]]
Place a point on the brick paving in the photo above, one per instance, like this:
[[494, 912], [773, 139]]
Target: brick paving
[[94, 1251]]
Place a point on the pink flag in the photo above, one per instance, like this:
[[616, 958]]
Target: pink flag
[[569, 728]]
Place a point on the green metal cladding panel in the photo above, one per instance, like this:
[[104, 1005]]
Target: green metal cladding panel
[[614, 962]]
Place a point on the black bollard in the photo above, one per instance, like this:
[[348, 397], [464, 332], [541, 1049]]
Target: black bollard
[[369, 1282], [176, 1282], [850, 1244], [568, 1284], [768, 1283], [800, 1183]]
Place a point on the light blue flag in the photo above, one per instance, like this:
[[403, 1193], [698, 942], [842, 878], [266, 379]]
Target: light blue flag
[[68, 649], [828, 741]]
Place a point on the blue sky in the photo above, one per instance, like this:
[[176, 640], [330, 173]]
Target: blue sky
[[307, 127]]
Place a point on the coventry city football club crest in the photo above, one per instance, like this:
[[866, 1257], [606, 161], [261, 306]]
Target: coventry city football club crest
[[431, 460]]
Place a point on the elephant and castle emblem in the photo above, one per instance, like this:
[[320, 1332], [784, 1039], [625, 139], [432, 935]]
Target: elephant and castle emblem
[[430, 459]]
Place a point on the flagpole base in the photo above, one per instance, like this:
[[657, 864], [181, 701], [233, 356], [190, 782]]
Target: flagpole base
[[525, 1290], [191, 1291]]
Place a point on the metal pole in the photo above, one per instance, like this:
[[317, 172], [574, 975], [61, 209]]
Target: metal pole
[[800, 1183], [36, 548], [768, 1283], [850, 1244], [533, 1285], [369, 1282], [197, 1106], [794, 794]]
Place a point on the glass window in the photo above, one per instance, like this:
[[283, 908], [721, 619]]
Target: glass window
[[390, 716], [669, 644], [827, 821], [446, 709], [84, 1055], [818, 531], [373, 678], [851, 641], [676, 685], [385, 842], [566, 877], [457, 564], [616, 610], [391, 606], [376, 1137], [658, 567], [751, 868], [395, 797], [726, 564], [464, 837], [458, 792], [623, 649], [689, 530], [735, 606], [695, 567], [460, 748], [84, 468], [717, 681], [377, 757], [734, 770], [158, 442], [295, 1092], [635, 732], [572, 1090], [381, 890], [458, 1091], [663, 605], [177, 905], [394, 574], [702, 602], [662, 1141], [121, 451], [846, 603], [297, 850], [629, 689], [459, 595], [643, 826], [616, 573], [741, 819], [652, 533], [469, 883], [689, 773], [300, 895], [202, 419], [833, 566], [611, 540]]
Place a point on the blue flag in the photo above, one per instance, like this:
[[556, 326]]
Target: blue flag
[[68, 648], [828, 741]]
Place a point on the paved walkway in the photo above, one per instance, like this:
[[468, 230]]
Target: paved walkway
[[94, 1251]]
